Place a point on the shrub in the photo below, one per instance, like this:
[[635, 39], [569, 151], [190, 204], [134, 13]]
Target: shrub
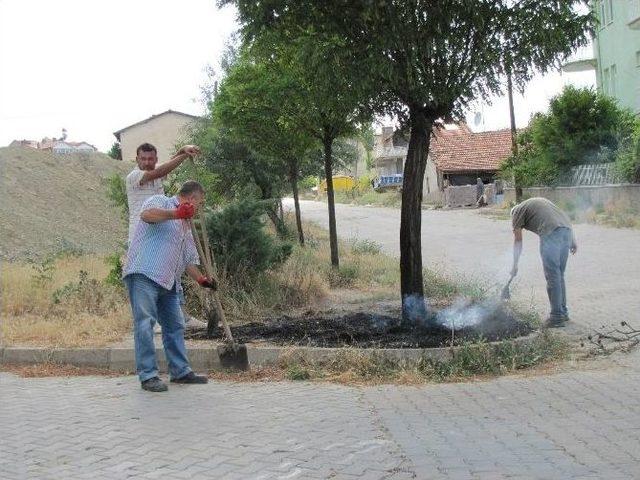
[[239, 241], [114, 277], [628, 158], [582, 126], [86, 294], [366, 247]]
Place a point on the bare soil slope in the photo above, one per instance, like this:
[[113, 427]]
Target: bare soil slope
[[55, 202]]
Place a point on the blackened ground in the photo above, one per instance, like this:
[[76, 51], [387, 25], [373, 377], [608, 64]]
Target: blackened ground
[[369, 330]]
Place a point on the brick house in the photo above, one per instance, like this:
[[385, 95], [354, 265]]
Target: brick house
[[457, 156]]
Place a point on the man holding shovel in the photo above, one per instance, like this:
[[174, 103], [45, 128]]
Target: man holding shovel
[[557, 239], [145, 181], [162, 248]]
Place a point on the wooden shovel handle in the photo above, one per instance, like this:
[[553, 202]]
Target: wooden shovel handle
[[209, 271]]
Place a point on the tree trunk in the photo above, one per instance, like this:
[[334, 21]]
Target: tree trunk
[[272, 212], [328, 173], [293, 178], [514, 135], [411, 286]]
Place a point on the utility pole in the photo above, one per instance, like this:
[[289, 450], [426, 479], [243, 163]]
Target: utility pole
[[514, 141]]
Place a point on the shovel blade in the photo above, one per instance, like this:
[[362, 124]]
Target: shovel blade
[[234, 357], [506, 294]]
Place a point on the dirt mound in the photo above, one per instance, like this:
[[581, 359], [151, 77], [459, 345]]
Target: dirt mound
[[369, 330], [55, 202]]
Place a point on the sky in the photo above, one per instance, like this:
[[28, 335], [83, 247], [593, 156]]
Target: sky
[[94, 67]]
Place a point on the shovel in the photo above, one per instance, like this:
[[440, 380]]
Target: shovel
[[506, 294], [232, 355]]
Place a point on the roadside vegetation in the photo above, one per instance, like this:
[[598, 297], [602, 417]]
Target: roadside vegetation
[[478, 359], [617, 214], [583, 126]]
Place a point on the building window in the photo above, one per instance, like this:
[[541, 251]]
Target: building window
[[605, 12], [605, 81], [638, 58], [614, 80]]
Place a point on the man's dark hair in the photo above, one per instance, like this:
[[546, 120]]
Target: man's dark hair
[[146, 147], [189, 187]]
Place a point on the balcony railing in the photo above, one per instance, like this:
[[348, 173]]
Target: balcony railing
[[390, 152], [634, 14], [582, 60]]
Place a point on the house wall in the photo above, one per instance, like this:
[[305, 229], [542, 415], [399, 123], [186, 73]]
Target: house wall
[[387, 166], [583, 196], [466, 195], [163, 132], [358, 169], [617, 48]]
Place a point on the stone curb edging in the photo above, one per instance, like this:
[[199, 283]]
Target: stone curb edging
[[207, 359]]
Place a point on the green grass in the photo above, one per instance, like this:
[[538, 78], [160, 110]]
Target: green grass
[[469, 360]]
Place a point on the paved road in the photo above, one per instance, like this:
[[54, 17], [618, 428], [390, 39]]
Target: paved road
[[573, 425], [576, 424], [603, 278]]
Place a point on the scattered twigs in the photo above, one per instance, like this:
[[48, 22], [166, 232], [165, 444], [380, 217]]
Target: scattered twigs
[[610, 339]]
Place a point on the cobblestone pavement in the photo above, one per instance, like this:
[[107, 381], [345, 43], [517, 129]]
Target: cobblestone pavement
[[603, 278], [581, 423]]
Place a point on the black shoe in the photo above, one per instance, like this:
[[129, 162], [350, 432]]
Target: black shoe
[[154, 385], [190, 378], [556, 322]]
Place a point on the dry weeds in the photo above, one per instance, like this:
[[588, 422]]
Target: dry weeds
[[94, 314]]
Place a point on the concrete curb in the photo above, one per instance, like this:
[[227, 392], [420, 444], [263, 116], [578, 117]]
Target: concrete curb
[[118, 359]]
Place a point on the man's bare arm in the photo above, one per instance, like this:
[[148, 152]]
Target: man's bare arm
[[517, 250], [164, 169]]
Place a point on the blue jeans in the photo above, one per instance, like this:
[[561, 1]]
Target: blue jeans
[[151, 303], [554, 250]]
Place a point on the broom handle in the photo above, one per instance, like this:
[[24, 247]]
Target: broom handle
[[209, 271]]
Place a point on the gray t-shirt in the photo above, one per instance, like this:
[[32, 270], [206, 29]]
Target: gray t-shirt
[[539, 215]]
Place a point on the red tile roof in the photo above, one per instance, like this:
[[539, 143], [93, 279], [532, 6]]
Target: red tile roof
[[461, 150]]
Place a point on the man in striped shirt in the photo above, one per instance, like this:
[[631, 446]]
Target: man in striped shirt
[[162, 248], [145, 181]]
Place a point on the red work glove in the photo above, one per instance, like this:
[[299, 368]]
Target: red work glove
[[185, 210], [207, 282]]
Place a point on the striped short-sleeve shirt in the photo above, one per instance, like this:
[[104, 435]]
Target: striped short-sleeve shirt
[[138, 193], [161, 251]]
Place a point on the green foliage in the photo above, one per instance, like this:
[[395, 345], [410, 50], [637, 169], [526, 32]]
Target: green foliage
[[240, 242], [582, 126], [483, 358], [297, 372], [628, 157], [117, 193], [115, 152], [308, 182], [43, 271], [86, 294], [344, 276], [66, 248], [195, 170], [366, 247], [469, 360], [114, 277]]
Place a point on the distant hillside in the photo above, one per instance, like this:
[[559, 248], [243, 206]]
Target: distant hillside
[[51, 202]]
